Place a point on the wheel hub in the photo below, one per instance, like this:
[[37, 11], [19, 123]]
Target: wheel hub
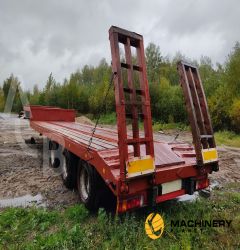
[[84, 184]]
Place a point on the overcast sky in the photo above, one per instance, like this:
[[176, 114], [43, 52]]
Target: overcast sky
[[60, 36]]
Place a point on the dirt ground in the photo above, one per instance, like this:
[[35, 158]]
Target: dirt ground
[[24, 172]]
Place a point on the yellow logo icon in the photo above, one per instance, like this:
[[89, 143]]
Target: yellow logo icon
[[154, 226]]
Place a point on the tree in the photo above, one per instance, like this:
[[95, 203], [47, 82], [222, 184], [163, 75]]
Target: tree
[[34, 98], [153, 60], [50, 95], [50, 82], [87, 74], [233, 70], [235, 115], [211, 78], [223, 99], [179, 57]]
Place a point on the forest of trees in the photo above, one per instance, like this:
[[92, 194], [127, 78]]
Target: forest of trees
[[84, 89]]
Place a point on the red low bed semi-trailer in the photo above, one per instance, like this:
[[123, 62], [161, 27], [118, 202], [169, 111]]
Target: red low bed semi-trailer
[[136, 168]]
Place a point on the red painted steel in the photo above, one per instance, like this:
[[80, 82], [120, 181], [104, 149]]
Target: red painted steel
[[197, 108], [170, 196], [132, 99], [47, 113], [171, 163]]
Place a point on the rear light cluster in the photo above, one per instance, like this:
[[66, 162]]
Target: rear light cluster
[[201, 184], [129, 204]]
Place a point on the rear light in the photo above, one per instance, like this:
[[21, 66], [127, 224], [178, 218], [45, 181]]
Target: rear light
[[124, 205], [133, 203], [201, 184]]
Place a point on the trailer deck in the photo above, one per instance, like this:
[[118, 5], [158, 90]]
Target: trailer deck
[[173, 160], [105, 143]]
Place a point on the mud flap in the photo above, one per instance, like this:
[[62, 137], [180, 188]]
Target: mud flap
[[153, 194]]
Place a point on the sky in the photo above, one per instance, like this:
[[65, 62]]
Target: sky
[[61, 36]]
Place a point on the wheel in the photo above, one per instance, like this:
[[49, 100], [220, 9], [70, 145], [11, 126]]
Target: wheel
[[54, 160], [89, 185], [68, 165], [64, 162]]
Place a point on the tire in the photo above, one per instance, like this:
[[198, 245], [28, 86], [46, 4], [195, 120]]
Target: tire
[[68, 164], [89, 185], [54, 161], [64, 162]]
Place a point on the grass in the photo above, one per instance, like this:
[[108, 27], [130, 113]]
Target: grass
[[157, 126], [75, 228], [227, 138], [109, 118]]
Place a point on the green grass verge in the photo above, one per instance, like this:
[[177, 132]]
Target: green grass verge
[[75, 228], [157, 126], [227, 138], [109, 118]]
